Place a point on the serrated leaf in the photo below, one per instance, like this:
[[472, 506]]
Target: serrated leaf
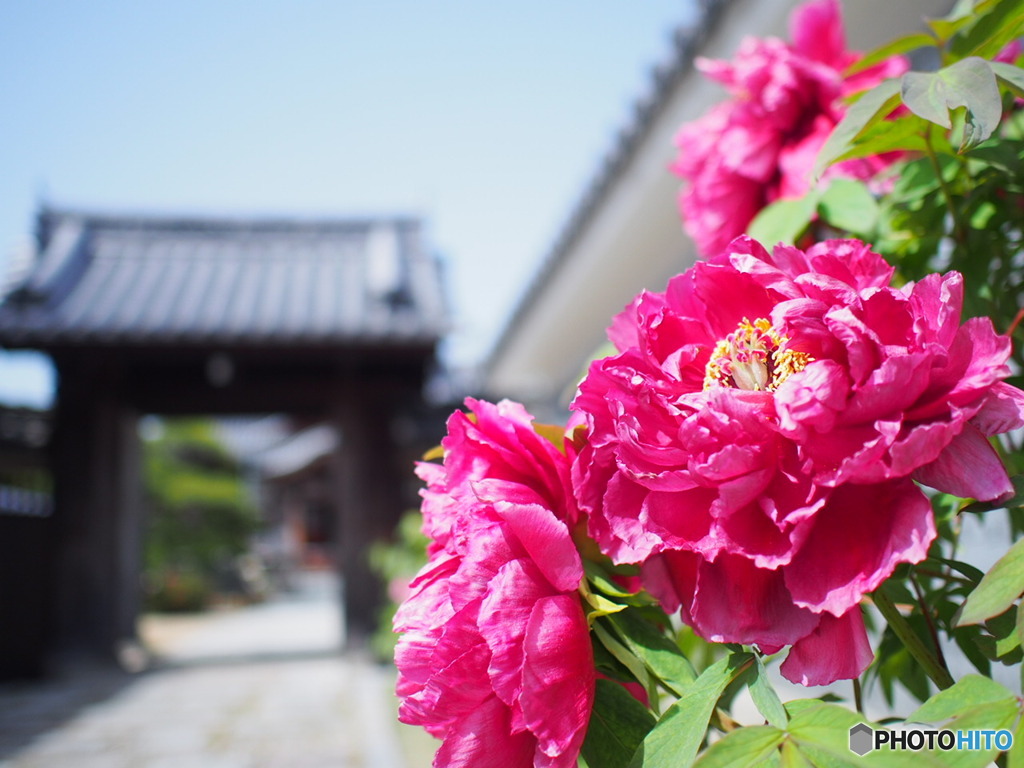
[[849, 206], [658, 653], [784, 220], [873, 106], [969, 83], [753, 745], [618, 724], [963, 697], [766, 699], [1003, 584], [674, 741]]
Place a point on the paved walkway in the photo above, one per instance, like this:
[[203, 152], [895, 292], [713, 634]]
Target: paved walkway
[[258, 687]]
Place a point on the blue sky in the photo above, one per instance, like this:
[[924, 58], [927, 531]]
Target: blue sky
[[488, 119]]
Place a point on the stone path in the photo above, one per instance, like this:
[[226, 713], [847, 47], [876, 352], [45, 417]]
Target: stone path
[[258, 687]]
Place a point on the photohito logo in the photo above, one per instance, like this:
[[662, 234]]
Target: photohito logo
[[864, 739]]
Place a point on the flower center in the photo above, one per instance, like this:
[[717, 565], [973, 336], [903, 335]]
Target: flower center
[[753, 357]]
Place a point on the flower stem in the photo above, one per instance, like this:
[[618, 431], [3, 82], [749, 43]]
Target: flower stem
[[947, 195], [858, 697], [932, 632], [912, 641]]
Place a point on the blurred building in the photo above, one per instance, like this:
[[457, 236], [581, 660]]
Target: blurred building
[[336, 322]]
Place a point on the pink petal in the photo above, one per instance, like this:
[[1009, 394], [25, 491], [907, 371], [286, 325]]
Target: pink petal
[[622, 534], [812, 398], [968, 467], [816, 29], [504, 616], [484, 740], [837, 649], [1002, 411], [547, 541], [558, 678], [737, 602], [858, 538]]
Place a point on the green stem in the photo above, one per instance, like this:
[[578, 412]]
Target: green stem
[[935, 670], [858, 697], [947, 195], [932, 631]]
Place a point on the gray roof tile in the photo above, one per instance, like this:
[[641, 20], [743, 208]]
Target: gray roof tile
[[103, 280]]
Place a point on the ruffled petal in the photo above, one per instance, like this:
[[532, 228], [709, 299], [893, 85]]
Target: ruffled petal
[[558, 678], [837, 649], [968, 467], [484, 739], [858, 538]]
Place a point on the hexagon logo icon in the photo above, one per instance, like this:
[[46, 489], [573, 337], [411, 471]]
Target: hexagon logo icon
[[861, 739]]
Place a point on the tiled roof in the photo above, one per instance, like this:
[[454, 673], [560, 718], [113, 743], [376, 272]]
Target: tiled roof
[[111, 280]]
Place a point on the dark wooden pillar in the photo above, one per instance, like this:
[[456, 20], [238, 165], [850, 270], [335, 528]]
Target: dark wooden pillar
[[26, 557], [367, 490], [97, 542]]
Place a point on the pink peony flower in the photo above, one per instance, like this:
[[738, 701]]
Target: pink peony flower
[[495, 658], [755, 443], [761, 144]]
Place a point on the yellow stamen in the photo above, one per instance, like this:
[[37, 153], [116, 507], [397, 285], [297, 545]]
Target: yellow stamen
[[753, 357]]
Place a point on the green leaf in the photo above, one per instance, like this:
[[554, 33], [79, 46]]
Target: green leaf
[[822, 734], [792, 757], [674, 741], [962, 16], [1003, 584], [904, 133], [745, 747], [848, 205], [622, 654], [600, 581], [965, 569], [766, 699], [969, 83], [1010, 75], [896, 47], [658, 653], [997, 23], [1004, 629], [784, 220], [618, 724], [1019, 626], [870, 108], [1015, 757], [965, 696]]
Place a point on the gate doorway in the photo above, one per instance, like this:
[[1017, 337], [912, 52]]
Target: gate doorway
[[334, 322]]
